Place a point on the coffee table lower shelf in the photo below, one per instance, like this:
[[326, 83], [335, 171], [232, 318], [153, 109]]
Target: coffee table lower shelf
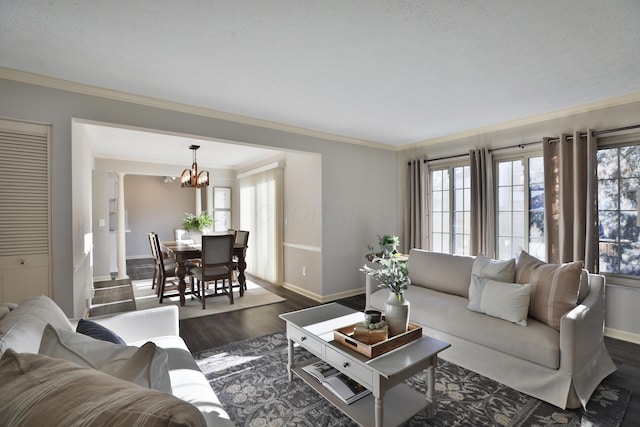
[[400, 402]]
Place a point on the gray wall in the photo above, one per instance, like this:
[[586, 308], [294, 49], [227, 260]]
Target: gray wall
[[358, 182]]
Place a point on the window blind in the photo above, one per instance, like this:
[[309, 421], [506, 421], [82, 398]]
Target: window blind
[[24, 188]]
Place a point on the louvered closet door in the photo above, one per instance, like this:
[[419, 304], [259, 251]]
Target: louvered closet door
[[24, 211]]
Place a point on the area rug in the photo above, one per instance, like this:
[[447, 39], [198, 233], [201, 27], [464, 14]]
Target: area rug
[[254, 296], [250, 379]]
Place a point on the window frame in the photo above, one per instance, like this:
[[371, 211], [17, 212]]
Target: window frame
[[509, 155], [618, 141], [449, 165]]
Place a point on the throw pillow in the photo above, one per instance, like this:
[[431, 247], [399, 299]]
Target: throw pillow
[[483, 266], [3, 311], [583, 290], [99, 332], [555, 287], [145, 366], [39, 390], [502, 271], [508, 301]]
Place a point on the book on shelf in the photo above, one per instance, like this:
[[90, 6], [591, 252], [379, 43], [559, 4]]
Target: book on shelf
[[346, 388]]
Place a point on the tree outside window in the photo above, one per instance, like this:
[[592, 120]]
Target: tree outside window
[[618, 187]]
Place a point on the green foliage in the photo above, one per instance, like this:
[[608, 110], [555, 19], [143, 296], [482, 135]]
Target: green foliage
[[193, 222], [392, 271]]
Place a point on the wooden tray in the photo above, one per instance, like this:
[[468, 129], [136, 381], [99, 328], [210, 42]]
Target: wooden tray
[[345, 337]]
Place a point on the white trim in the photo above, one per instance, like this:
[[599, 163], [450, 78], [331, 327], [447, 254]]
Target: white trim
[[320, 298], [622, 335], [539, 118], [100, 279], [302, 291], [274, 165], [341, 295], [52, 82], [302, 247]]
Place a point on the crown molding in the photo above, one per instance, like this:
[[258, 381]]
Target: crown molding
[[85, 89], [66, 85], [538, 118]]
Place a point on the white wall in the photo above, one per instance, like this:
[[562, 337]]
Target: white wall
[[358, 182]]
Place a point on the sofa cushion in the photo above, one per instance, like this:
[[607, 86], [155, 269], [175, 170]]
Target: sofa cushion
[[145, 366], [3, 311], [583, 290], [502, 271], [440, 272], [187, 381], [40, 390], [507, 301], [99, 332], [22, 328], [537, 343], [555, 287]]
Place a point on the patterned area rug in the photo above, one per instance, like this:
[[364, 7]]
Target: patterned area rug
[[250, 378]]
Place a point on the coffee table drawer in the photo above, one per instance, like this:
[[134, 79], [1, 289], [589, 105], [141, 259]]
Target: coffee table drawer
[[306, 340], [349, 366]]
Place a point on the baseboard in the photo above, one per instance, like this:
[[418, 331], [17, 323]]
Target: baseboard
[[102, 278], [323, 298], [622, 335], [301, 291], [341, 295]]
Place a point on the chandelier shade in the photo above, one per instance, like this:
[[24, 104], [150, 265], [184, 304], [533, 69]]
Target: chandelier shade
[[191, 177]]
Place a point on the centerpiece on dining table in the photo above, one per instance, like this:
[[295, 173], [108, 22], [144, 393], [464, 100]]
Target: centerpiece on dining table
[[197, 225]]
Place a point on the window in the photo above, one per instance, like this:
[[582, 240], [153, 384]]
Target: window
[[618, 192], [451, 210], [520, 207], [221, 208]]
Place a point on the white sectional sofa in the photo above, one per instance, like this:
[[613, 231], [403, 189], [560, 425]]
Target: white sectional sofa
[[101, 389], [561, 365]]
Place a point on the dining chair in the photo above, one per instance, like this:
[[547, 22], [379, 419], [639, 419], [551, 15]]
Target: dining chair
[[217, 264], [154, 256], [242, 238], [166, 270]]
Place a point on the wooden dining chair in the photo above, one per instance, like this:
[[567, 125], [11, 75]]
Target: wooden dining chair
[[242, 238], [217, 264], [166, 271], [154, 256]]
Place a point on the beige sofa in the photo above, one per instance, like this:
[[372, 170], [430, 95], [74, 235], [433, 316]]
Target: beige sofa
[[562, 365], [78, 379]]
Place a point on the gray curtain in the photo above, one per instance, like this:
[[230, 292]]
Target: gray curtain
[[416, 212], [571, 199], [483, 233]]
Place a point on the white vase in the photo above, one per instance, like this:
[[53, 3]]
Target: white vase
[[396, 312], [196, 235]]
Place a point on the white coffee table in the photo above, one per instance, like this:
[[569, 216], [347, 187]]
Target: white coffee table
[[312, 328]]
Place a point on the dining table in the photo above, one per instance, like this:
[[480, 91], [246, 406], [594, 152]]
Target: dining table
[[183, 251]]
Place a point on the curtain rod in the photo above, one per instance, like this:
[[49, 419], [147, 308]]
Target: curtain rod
[[582, 135]]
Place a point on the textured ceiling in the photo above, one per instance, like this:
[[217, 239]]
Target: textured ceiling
[[395, 72]]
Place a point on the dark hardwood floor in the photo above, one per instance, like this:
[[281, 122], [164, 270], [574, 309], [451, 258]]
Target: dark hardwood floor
[[203, 333]]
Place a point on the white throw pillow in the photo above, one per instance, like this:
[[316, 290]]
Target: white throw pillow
[[502, 271], [145, 366], [507, 301]]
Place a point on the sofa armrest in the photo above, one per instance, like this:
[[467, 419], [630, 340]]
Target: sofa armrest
[[582, 329], [583, 354], [142, 324]]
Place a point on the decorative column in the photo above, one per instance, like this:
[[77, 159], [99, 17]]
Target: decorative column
[[120, 235], [198, 201]]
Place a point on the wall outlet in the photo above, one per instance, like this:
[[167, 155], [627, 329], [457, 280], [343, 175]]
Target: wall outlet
[[304, 271]]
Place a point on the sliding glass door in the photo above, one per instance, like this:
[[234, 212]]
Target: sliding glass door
[[260, 214]]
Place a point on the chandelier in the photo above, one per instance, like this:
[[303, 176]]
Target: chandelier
[[191, 177]]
